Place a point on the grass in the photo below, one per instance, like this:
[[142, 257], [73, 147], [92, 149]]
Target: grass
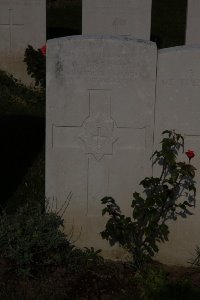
[[108, 281], [38, 261], [17, 99]]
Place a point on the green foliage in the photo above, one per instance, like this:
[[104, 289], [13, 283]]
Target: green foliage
[[16, 98], [33, 238], [165, 197], [154, 284], [36, 65], [80, 260], [30, 237], [195, 261]]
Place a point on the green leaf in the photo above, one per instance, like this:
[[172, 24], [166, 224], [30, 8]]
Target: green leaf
[[169, 132]]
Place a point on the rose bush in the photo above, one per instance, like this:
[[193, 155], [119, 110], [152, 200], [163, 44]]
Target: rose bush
[[161, 200]]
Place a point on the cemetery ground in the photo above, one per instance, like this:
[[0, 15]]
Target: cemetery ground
[[45, 264], [106, 280]]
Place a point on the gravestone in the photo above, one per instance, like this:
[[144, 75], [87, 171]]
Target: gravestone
[[99, 127], [22, 22], [117, 17], [177, 107], [193, 22]]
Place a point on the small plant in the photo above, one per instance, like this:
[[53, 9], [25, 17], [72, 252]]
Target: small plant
[[165, 197], [32, 238], [153, 284], [195, 262], [17, 98], [36, 64]]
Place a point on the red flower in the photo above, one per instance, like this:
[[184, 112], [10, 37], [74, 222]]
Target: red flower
[[190, 154], [43, 50]]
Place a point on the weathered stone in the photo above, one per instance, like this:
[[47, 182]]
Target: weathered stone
[[193, 23], [117, 17], [22, 22], [177, 107], [99, 130]]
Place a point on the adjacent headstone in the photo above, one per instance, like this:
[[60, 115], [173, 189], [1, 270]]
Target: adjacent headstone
[[193, 22], [99, 128], [22, 22], [117, 17], [177, 107]]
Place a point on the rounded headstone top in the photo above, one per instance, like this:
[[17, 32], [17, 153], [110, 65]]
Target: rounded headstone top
[[100, 37], [179, 49]]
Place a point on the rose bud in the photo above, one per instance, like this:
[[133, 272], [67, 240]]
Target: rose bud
[[190, 154], [43, 50]]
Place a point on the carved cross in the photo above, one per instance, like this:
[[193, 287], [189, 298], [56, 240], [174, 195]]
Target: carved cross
[[10, 24], [98, 136]]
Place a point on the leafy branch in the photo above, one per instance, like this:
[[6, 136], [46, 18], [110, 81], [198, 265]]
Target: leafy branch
[[165, 197]]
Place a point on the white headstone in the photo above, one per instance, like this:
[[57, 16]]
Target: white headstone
[[22, 22], [178, 107], [193, 22], [117, 17], [99, 130]]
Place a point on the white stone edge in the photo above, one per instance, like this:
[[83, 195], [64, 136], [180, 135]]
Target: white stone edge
[[102, 37], [179, 48]]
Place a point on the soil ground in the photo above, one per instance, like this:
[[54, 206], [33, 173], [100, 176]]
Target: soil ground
[[111, 280]]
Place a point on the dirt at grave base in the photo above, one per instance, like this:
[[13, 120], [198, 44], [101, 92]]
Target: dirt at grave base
[[109, 278], [178, 273]]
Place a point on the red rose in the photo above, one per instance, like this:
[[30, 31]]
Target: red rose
[[43, 50], [190, 154]]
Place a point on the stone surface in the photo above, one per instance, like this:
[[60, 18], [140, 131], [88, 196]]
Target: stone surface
[[117, 17], [22, 22], [99, 127], [193, 22], [177, 107]]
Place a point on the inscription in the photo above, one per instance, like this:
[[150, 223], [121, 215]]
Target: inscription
[[194, 82], [118, 17], [18, 3], [105, 68], [190, 79]]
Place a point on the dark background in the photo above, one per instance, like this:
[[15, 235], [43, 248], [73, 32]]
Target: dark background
[[167, 27]]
